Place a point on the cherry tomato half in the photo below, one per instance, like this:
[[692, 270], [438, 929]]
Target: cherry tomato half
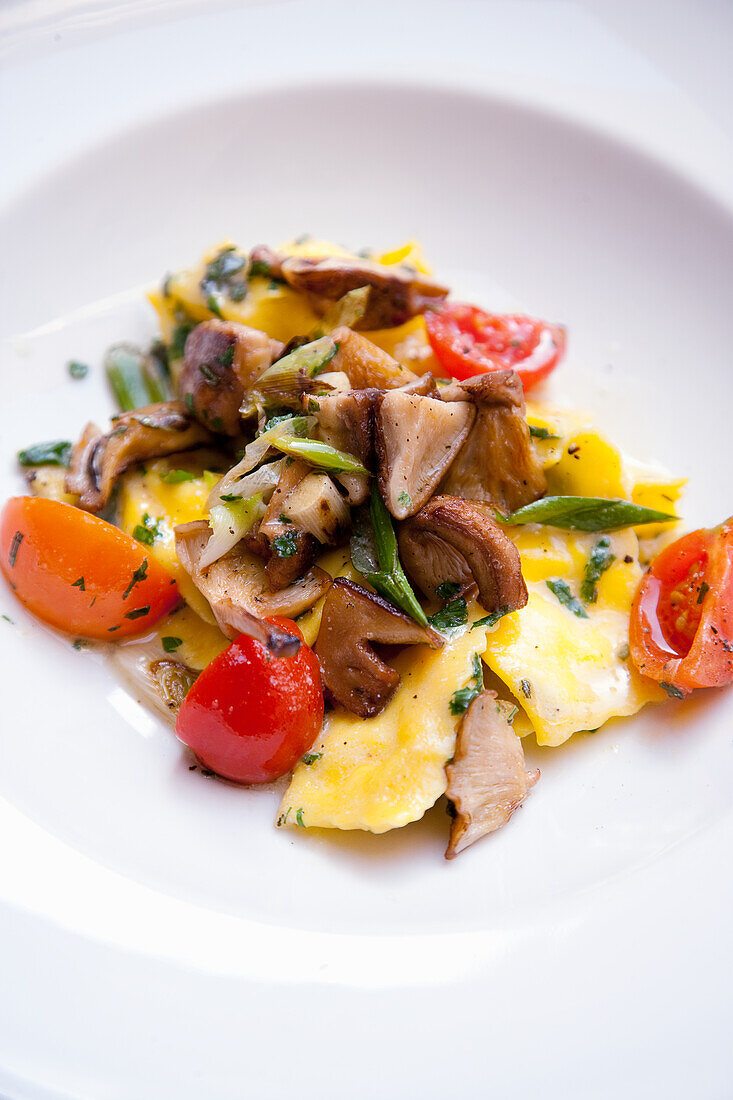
[[681, 631], [79, 573], [250, 716], [469, 341]]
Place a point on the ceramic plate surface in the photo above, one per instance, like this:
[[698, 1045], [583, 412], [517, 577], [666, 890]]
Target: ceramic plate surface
[[160, 937]]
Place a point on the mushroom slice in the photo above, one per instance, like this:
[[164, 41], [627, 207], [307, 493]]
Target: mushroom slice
[[417, 438], [289, 550], [151, 432], [353, 674], [222, 361], [497, 462], [455, 540], [366, 365], [346, 422], [487, 779], [396, 293], [237, 590]]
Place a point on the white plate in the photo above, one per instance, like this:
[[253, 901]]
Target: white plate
[[158, 936]]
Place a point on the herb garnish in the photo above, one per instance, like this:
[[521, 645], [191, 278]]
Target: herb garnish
[[460, 700], [76, 369], [311, 757], [139, 575], [454, 614], [374, 555], [404, 499], [541, 433], [170, 644], [599, 561], [138, 612], [55, 453], [704, 589], [585, 513], [492, 619], [299, 817], [213, 304], [147, 531], [447, 590], [286, 546], [79, 584], [173, 477], [672, 691], [224, 276], [561, 590]]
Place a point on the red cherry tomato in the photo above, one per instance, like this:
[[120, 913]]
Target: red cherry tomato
[[681, 631], [79, 573], [469, 341], [250, 716]]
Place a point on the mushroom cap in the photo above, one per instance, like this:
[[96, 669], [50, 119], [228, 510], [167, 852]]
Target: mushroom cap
[[487, 780], [346, 422], [353, 674], [455, 540], [417, 439], [367, 365]]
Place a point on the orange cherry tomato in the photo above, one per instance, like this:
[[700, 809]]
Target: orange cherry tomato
[[79, 573], [681, 630], [469, 341], [250, 716]]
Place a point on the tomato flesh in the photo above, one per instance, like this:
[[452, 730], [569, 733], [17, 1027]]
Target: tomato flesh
[[469, 341], [682, 615], [250, 716], [79, 573]]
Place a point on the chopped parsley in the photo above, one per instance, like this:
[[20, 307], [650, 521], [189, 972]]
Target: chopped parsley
[[138, 612], [599, 561], [447, 590], [229, 498], [173, 477], [227, 357], [461, 700], [55, 453], [493, 618], [170, 644], [76, 369], [9, 620], [299, 817], [79, 643], [285, 546], [259, 268], [147, 531], [212, 303], [561, 590], [224, 275], [210, 376], [404, 499], [311, 757], [541, 433], [139, 575], [454, 614], [79, 584], [177, 346]]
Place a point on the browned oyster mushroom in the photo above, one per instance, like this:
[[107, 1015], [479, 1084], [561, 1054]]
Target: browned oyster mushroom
[[353, 674], [222, 361], [487, 779], [289, 550], [366, 365], [417, 438], [346, 422], [497, 462], [455, 540], [396, 293], [236, 587], [151, 432]]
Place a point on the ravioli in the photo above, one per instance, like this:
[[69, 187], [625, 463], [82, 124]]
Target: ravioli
[[384, 772]]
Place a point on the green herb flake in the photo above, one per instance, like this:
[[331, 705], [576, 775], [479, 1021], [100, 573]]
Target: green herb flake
[[79, 584], [258, 269], [311, 757], [9, 620], [76, 369], [404, 499], [213, 305], [541, 433], [147, 531], [15, 547], [170, 644], [599, 561], [139, 575], [704, 589], [299, 817], [138, 612], [461, 700], [672, 691], [283, 818], [227, 357], [560, 589], [454, 614], [80, 643], [57, 452], [229, 498], [286, 546], [493, 618], [173, 477], [177, 346], [188, 401], [447, 590], [111, 629]]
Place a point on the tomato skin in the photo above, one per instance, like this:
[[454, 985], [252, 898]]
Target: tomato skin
[[61, 546], [681, 630], [469, 341], [250, 716]]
